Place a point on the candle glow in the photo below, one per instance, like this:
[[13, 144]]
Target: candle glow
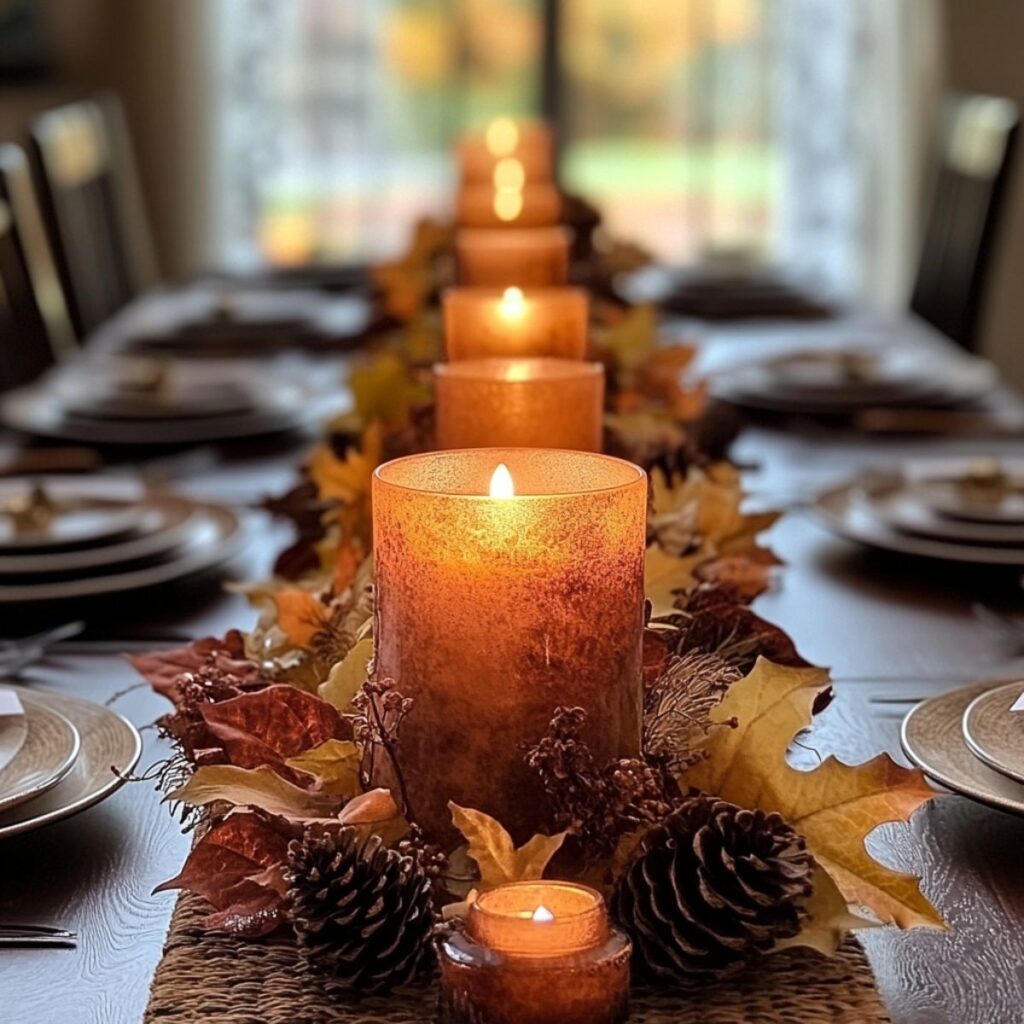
[[502, 136], [543, 915], [501, 483]]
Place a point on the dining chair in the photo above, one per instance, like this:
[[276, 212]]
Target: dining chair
[[35, 328], [974, 162], [92, 206]]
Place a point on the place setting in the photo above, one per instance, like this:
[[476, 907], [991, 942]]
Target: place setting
[[59, 754], [971, 741], [844, 381], [71, 538], [968, 510], [136, 402]]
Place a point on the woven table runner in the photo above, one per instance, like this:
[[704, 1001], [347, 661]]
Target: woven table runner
[[215, 979]]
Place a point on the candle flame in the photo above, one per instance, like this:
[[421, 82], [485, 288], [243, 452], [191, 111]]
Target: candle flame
[[542, 915], [501, 483], [509, 174], [512, 302], [508, 203], [502, 136]]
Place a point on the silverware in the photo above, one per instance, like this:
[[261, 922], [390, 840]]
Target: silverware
[[16, 655]]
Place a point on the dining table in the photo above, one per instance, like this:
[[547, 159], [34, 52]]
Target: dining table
[[893, 630]]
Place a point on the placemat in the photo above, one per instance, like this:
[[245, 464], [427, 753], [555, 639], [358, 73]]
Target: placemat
[[215, 979]]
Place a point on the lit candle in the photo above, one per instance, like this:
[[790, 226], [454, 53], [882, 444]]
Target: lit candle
[[529, 143], [524, 403], [535, 205], [482, 322], [536, 953], [492, 610], [525, 257]]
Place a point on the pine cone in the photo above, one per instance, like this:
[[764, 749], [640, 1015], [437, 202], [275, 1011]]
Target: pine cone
[[711, 887], [363, 913]]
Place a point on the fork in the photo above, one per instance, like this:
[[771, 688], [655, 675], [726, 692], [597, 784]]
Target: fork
[[16, 655]]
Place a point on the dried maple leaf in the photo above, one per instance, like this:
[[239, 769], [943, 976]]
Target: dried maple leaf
[[631, 341], [834, 807], [300, 615], [747, 576], [272, 725], [347, 479], [496, 855]]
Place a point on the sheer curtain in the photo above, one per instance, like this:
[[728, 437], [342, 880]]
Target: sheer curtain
[[793, 127]]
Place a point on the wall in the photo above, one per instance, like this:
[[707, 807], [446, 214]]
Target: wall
[[983, 41], [152, 53]]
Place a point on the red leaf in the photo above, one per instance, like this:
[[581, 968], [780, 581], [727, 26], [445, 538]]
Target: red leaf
[[163, 670], [271, 725], [746, 576], [239, 846], [255, 910]]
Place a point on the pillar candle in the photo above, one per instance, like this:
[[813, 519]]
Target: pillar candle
[[509, 582], [530, 403], [489, 206], [483, 322], [528, 143], [536, 953], [524, 257]]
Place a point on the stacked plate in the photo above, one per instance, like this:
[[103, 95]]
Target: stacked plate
[[972, 741], [843, 382], [955, 509], [66, 538], [151, 402], [58, 755]]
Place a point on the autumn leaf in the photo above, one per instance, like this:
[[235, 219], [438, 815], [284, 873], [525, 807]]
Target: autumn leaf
[[376, 812], [334, 765], [828, 920], [383, 389], [632, 339], [347, 480], [348, 676], [271, 725], [666, 576], [494, 852], [747, 576], [834, 807], [253, 787], [300, 615]]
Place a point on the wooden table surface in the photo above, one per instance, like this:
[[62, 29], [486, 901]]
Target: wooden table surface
[[892, 630]]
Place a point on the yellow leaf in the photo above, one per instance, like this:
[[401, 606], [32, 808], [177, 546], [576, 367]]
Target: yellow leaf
[[347, 677], [666, 575], [834, 807], [253, 787], [496, 856], [632, 340], [334, 764], [383, 389], [828, 919], [347, 480], [300, 615]]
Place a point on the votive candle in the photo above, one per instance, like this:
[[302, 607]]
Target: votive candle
[[523, 257], [506, 322], [509, 582], [530, 403], [490, 153], [536, 953], [527, 206]]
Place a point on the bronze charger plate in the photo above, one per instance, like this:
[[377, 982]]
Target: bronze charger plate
[[994, 733]]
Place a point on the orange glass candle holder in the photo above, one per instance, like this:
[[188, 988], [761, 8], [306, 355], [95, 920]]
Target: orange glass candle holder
[[536, 953], [488, 155], [525, 403], [494, 607], [484, 322], [524, 257], [528, 206]]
